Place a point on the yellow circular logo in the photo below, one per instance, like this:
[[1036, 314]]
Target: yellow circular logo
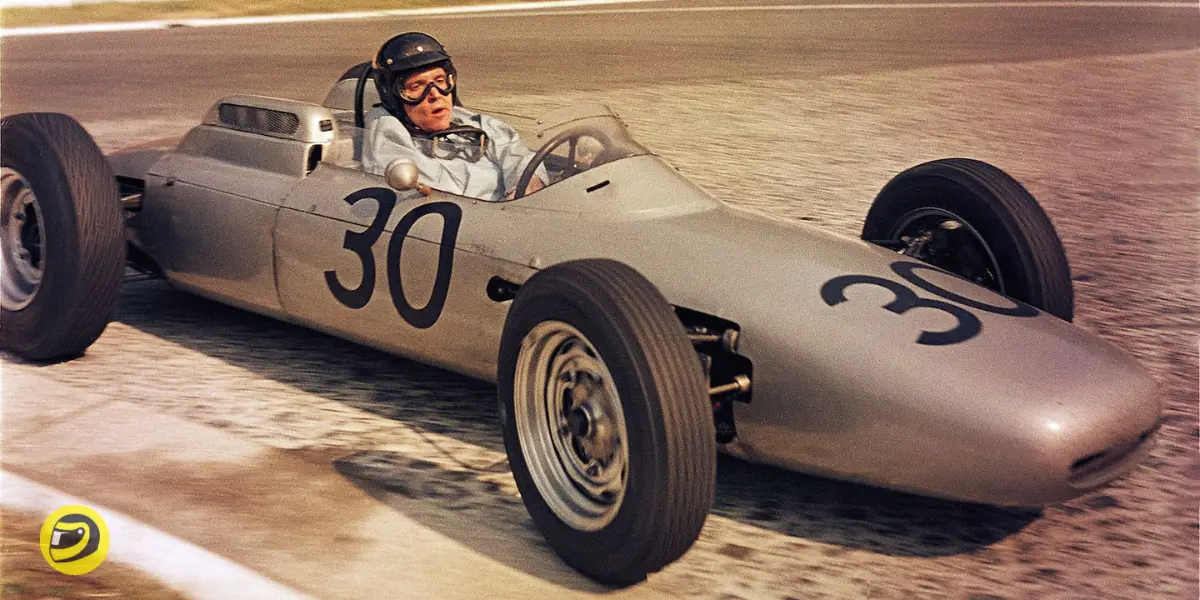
[[74, 540]]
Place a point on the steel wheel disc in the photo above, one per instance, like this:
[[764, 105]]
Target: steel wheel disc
[[571, 425], [22, 245]]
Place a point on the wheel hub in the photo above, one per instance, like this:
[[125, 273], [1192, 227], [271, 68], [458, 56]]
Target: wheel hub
[[589, 430], [943, 239], [578, 422], [22, 244]]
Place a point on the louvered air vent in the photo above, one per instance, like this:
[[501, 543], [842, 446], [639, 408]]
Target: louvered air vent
[[273, 117], [259, 120]]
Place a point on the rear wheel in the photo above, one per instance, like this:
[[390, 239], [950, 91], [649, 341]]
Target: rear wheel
[[61, 237], [976, 221], [606, 420]]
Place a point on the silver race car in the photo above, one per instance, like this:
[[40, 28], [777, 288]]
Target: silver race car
[[633, 324]]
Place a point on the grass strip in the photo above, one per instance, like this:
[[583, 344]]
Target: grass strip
[[160, 10]]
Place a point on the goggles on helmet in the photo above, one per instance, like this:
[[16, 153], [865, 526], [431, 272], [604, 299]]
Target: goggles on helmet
[[416, 92], [465, 142]]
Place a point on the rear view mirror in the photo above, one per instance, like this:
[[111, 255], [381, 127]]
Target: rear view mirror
[[402, 174]]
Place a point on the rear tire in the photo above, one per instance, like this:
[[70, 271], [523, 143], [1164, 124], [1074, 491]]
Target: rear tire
[[595, 365], [62, 234], [1026, 257]]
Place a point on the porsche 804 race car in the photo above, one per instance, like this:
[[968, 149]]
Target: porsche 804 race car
[[632, 322]]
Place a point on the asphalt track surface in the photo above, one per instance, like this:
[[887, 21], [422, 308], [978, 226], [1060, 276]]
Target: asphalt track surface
[[805, 113], [177, 72]]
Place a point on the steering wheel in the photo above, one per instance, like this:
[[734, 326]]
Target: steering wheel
[[570, 136]]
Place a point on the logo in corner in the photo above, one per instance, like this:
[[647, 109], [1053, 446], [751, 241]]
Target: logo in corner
[[74, 540]]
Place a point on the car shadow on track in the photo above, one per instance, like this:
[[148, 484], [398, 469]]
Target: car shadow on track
[[430, 400], [478, 509]]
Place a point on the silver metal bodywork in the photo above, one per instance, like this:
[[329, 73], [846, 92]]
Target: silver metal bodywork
[[1026, 410]]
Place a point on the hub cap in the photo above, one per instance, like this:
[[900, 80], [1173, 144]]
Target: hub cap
[[571, 426], [22, 245]]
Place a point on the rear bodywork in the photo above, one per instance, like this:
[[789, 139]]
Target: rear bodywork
[[865, 365]]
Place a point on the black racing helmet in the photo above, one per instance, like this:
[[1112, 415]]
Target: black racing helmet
[[401, 56]]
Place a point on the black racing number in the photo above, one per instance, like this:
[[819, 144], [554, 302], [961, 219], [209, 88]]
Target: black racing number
[[907, 270], [834, 292], [423, 318], [361, 243]]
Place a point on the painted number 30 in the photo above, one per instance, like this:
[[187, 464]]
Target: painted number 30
[[363, 242], [969, 325]]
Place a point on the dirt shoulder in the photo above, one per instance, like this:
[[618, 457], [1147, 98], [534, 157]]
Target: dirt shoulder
[[25, 574]]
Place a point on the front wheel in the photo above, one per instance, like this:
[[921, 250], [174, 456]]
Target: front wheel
[[974, 220], [606, 420]]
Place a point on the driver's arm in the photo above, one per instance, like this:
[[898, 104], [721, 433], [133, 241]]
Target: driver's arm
[[513, 156]]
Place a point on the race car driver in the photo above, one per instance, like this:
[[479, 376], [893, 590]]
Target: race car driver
[[419, 118]]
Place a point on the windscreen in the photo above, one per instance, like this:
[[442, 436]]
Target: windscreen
[[576, 138]]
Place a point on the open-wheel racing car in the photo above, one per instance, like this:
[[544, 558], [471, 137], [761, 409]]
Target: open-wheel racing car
[[632, 323]]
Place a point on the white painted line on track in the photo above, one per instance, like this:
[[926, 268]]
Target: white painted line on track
[[178, 564], [515, 7], [547, 9], [62, 3]]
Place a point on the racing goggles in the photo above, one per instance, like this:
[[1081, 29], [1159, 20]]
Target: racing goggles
[[415, 93], [466, 142]]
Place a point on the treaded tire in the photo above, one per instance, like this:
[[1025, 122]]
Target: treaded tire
[[671, 436], [83, 234], [1027, 248]]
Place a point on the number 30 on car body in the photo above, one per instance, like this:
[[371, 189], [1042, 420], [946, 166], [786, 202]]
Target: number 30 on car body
[[969, 325], [362, 243]]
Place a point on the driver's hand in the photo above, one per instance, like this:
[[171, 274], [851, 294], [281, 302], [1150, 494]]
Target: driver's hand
[[535, 184]]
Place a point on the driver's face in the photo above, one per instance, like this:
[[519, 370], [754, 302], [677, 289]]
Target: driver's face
[[434, 112]]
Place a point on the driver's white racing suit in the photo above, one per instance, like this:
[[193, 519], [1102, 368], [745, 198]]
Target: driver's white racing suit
[[490, 178]]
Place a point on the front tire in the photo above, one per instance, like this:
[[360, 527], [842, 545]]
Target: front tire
[[993, 230], [606, 420], [62, 237]]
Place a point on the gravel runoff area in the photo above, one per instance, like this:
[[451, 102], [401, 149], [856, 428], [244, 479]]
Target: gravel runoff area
[[1109, 145]]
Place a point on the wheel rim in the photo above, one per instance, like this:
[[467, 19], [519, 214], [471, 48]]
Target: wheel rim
[[970, 258], [22, 244], [571, 426]]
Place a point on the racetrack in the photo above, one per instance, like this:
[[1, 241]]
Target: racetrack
[[805, 113]]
